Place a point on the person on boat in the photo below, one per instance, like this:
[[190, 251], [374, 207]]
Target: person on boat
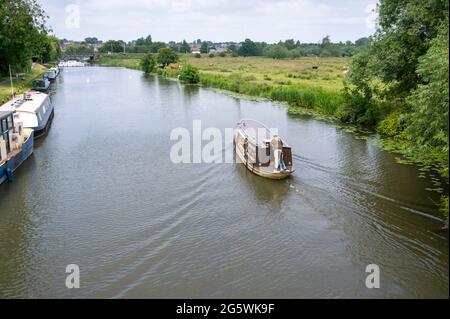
[[277, 146]]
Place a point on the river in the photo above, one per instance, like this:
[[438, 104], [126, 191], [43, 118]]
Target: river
[[101, 192]]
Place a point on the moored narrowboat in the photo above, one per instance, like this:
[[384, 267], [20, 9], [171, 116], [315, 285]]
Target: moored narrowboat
[[41, 84], [34, 109], [52, 74], [16, 144], [262, 151]]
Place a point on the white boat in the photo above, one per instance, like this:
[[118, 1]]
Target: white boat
[[16, 144], [34, 109], [52, 74], [253, 146], [71, 63]]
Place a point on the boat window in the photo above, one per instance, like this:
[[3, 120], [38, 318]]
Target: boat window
[[6, 139], [10, 122]]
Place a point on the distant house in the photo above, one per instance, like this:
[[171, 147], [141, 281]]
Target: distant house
[[195, 50]]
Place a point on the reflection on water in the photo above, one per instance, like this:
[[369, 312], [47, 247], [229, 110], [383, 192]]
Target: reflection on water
[[101, 192]]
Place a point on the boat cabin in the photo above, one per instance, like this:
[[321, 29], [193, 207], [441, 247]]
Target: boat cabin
[[6, 130], [254, 144]]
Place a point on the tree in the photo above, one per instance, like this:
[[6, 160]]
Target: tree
[[189, 74], [148, 63], [91, 40], [248, 48], [112, 46], [78, 49], [166, 56], [204, 47], [362, 41], [184, 47], [278, 51], [22, 23], [428, 120]]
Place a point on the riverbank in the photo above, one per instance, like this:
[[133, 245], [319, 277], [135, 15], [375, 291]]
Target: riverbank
[[307, 85], [21, 83]]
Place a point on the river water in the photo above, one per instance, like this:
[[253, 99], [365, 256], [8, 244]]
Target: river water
[[101, 192]]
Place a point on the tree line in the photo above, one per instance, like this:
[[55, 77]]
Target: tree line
[[281, 50], [24, 36]]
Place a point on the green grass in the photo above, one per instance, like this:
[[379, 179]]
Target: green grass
[[130, 61], [20, 84]]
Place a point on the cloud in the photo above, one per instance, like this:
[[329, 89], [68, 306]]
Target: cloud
[[217, 20]]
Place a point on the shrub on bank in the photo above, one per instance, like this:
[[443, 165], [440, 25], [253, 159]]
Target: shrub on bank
[[189, 74], [148, 63]]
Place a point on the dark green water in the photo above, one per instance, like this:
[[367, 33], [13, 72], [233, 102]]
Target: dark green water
[[101, 192]]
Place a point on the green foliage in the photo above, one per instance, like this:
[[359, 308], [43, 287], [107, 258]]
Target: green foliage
[[197, 55], [113, 46], [184, 47], [78, 49], [204, 47], [428, 119], [22, 26], [166, 56], [248, 48], [393, 125], [222, 54], [148, 63], [189, 74], [278, 52]]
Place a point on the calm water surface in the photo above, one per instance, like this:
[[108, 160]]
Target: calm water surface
[[100, 191]]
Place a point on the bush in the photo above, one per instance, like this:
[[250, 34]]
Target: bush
[[148, 63], [222, 54], [189, 74], [391, 126], [198, 55]]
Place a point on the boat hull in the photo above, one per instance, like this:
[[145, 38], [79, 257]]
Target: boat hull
[[260, 172], [14, 162], [42, 130]]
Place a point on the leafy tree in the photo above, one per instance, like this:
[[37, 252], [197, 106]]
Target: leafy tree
[[22, 23], [148, 63], [91, 40], [78, 49], [184, 47], [428, 119], [204, 47], [362, 41], [278, 51], [189, 74], [248, 48], [166, 56], [112, 46]]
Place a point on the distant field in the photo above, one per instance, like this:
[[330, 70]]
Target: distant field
[[328, 75], [20, 85]]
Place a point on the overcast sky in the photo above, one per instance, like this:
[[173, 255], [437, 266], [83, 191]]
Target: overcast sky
[[215, 20]]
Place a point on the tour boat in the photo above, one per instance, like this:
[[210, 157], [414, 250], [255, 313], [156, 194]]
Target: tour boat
[[252, 142], [41, 84], [34, 109], [16, 144]]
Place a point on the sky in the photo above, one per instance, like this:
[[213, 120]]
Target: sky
[[214, 20]]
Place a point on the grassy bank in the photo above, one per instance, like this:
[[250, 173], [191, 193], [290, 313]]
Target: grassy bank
[[21, 83]]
